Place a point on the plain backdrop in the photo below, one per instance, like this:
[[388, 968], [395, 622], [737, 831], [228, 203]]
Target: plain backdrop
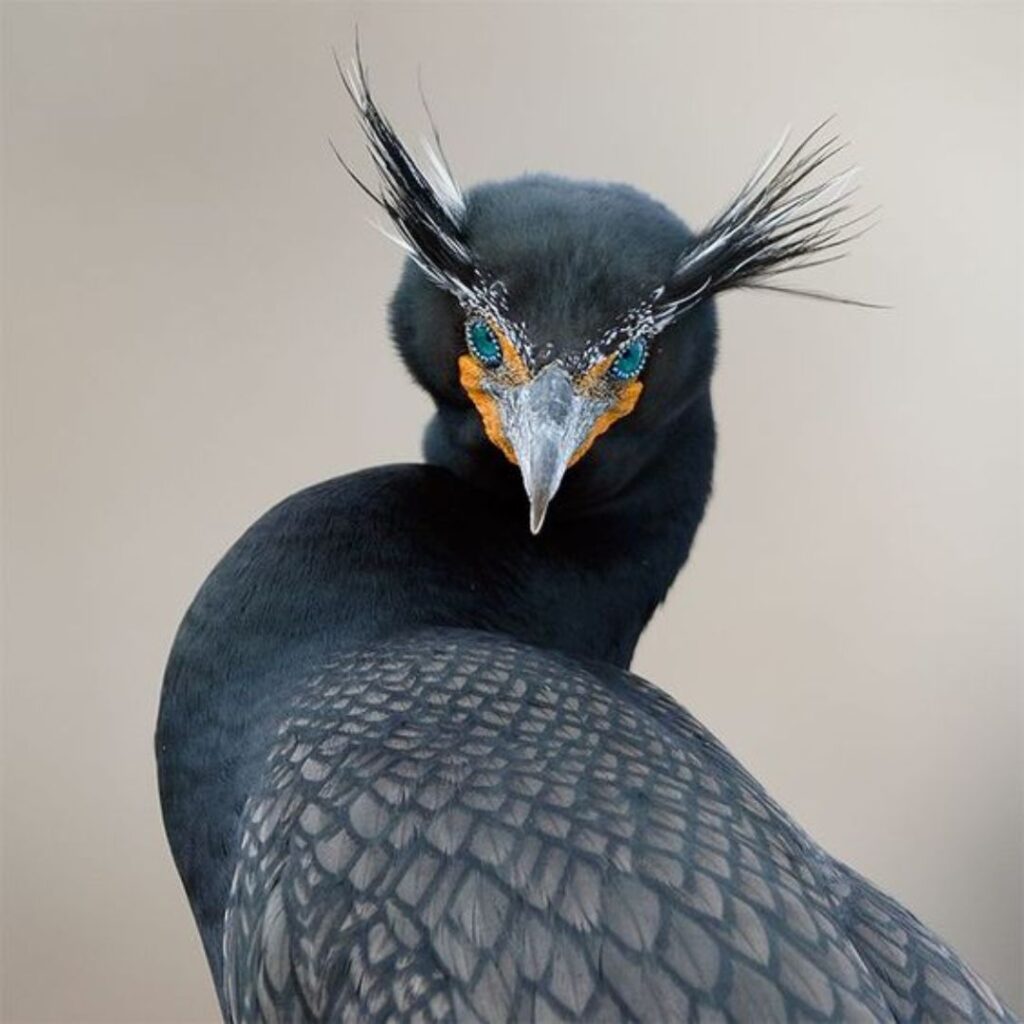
[[193, 327]]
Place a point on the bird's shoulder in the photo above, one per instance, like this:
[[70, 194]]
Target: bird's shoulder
[[341, 558], [358, 497]]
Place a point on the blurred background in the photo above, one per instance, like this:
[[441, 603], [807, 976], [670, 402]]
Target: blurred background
[[193, 327]]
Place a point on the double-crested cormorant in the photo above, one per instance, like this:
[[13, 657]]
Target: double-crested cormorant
[[405, 771]]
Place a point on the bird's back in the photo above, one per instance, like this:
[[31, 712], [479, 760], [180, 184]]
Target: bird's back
[[454, 825]]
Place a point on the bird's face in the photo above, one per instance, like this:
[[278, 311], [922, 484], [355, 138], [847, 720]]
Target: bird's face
[[546, 420], [560, 343]]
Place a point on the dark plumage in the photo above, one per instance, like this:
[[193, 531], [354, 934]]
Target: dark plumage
[[405, 772]]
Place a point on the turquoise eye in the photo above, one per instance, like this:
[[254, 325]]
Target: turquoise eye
[[630, 360], [483, 343]]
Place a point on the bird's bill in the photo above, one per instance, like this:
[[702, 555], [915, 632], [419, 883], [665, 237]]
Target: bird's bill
[[548, 424]]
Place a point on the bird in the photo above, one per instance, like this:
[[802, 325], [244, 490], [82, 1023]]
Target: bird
[[405, 771]]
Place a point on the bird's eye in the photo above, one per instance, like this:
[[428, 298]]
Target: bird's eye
[[483, 343], [630, 360]]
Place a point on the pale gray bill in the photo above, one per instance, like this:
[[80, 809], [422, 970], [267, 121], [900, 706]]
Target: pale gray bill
[[545, 421]]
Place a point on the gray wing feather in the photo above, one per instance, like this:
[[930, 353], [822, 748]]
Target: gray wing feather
[[920, 976], [458, 827]]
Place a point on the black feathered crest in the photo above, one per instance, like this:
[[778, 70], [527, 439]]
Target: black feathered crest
[[427, 209], [781, 220]]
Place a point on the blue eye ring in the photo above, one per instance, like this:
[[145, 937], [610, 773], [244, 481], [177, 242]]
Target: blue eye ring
[[630, 360], [483, 343]]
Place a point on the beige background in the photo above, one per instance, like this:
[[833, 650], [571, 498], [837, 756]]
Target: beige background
[[193, 328]]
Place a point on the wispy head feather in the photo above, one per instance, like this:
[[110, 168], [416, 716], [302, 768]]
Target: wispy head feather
[[780, 221], [427, 208]]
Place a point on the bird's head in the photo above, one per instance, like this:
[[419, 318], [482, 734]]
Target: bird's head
[[557, 323], [532, 371]]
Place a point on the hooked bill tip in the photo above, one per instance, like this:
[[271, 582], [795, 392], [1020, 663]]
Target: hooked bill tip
[[538, 510]]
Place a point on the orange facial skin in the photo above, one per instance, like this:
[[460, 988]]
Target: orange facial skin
[[625, 403], [626, 395], [513, 372], [471, 377]]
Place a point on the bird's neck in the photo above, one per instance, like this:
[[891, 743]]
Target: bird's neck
[[395, 548], [589, 582]]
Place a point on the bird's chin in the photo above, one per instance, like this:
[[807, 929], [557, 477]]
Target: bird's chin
[[592, 487], [588, 492]]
